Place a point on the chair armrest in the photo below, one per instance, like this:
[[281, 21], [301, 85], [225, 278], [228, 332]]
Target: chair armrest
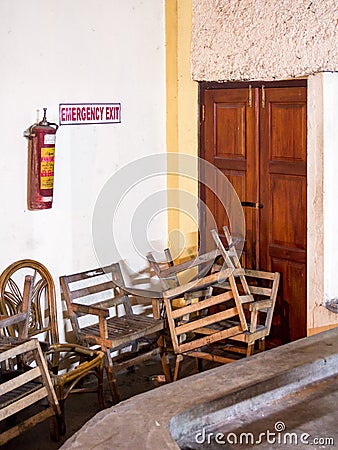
[[214, 279], [148, 294], [6, 321], [89, 309], [145, 293], [260, 274], [259, 305]]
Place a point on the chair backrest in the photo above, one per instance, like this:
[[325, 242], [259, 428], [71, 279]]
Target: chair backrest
[[17, 325], [99, 288], [232, 262], [172, 275], [264, 288], [43, 310], [23, 391], [159, 266], [253, 286], [207, 321]]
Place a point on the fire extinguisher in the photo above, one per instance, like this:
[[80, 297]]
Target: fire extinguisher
[[41, 152]]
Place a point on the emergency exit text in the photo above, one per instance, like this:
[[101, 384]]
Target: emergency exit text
[[89, 113]]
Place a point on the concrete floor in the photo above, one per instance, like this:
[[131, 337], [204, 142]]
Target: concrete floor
[[81, 407]]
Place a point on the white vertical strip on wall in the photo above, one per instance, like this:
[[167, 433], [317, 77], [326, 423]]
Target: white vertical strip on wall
[[330, 96]]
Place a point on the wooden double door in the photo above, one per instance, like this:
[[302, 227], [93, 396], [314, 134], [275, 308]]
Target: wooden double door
[[256, 135]]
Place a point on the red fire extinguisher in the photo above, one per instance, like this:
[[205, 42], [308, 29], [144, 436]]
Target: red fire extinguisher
[[41, 152]]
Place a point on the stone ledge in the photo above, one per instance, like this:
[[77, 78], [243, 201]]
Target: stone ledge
[[143, 421]]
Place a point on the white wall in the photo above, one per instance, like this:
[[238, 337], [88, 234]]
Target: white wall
[[322, 198], [330, 95], [72, 51]]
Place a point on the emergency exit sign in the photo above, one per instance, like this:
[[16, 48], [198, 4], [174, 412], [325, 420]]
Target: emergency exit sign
[[89, 113]]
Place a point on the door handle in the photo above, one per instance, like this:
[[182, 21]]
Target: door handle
[[255, 205]]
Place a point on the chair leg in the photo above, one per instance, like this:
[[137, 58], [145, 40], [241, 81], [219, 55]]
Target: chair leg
[[179, 358], [100, 387], [261, 345], [62, 423], [250, 349], [199, 364], [54, 428], [164, 360], [112, 386], [59, 391], [166, 367], [111, 379]]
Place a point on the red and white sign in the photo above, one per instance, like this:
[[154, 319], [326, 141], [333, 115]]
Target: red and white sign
[[89, 113]]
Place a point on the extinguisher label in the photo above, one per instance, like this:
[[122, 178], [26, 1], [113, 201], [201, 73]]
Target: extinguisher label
[[47, 168], [49, 139]]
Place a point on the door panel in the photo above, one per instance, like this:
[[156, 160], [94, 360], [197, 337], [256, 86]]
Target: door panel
[[287, 142], [230, 132], [230, 144], [287, 225], [287, 319], [282, 125], [257, 138]]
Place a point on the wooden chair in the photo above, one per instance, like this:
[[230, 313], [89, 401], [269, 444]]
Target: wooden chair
[[231, 260], [158, 266], [256, 290], [173, 275], [101, 314], [23, 387], [206, 322], [68, 364]]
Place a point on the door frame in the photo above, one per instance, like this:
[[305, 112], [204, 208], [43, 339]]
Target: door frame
[[322, 282], [205, 87]]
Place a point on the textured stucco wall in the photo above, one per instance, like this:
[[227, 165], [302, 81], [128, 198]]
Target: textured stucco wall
[[263, 39]]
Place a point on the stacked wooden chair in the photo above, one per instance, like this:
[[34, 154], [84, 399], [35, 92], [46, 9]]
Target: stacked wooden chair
[[255, 290], [234, 312], [68, 364], [101, 315], [23, 387], [203, 323], [173, 275], [195, 314]]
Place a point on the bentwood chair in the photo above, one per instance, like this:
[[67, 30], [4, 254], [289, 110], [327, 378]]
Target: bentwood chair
[[68, 363], [22, 387]]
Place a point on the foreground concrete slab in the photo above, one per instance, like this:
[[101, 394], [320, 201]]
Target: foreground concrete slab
[[290, 389]]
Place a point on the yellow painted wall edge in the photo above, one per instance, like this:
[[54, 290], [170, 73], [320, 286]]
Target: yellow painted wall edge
[[181, 127]]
